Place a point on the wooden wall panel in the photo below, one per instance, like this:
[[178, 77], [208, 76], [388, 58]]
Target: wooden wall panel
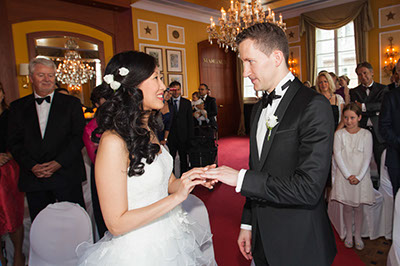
[[218, 71]]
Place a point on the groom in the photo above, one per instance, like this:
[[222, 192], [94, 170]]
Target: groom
[[284, 219]]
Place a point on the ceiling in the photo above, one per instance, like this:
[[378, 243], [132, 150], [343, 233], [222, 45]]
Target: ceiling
[[201, 10]]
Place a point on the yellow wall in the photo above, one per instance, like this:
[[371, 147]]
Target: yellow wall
[[20, 30], [373, 35], [194, 32]]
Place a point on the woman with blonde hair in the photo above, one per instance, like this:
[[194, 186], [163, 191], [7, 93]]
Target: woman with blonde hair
[[326, 86]]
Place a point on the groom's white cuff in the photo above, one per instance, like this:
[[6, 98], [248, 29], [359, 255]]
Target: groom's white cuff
[[245, 227], [239, 183]]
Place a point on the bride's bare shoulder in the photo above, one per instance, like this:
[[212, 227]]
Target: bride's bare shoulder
[[111, 139]]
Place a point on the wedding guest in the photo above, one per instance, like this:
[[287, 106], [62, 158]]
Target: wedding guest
[[344, 90], [99, 95], [326, 87], [182, 128], [368, 96], [46, 142], [389, 126], [139, 196], [210, 104], [167, 113], [395, 78], [352, 186], [11, 199], [307, 84]]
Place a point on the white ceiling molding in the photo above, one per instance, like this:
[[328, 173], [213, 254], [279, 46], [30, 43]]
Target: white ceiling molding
[[179, 9], [182, 9]]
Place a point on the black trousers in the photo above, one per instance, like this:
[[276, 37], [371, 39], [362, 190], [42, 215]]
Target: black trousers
[[182, 149], [394, 174], [258, 251], [38, 200], [378, 149], [98, 216]]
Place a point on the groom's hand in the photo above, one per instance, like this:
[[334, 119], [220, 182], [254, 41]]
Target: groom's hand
[[224, 174], [244, 242]]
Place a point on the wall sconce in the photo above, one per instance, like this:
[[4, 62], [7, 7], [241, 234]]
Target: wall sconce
[[24, 71], [390, 54], [292, 64]]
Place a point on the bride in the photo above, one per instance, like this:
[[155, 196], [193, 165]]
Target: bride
[[139, 196]]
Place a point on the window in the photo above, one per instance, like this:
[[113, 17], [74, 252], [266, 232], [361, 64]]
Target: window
[[335, 52], [249, 93]]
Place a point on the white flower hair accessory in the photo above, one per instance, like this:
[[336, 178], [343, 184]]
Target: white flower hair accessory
[[272, 121], [123, 71], [109, 79]]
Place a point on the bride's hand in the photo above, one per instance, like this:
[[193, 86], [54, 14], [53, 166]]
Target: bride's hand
[[189, 180]]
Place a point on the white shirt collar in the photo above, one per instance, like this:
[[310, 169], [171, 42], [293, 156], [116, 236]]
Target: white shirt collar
[[278, 88], [37, 96]]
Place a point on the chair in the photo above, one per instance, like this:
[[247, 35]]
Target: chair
[[56, 232], [198, 211], [386, 190], [394, 252], [373, 220]]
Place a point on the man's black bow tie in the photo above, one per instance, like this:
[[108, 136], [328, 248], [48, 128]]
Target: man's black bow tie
[[268, 98], [40, 100]]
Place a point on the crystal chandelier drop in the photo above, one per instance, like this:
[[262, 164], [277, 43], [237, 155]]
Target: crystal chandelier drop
[[240, 16], [73, 70]]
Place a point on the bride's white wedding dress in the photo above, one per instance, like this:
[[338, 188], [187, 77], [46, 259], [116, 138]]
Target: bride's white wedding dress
[[173, 239]]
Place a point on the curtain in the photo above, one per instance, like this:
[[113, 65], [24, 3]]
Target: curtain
[[335, 17], [240, 86]]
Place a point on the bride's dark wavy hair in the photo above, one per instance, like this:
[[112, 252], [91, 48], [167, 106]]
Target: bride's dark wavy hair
[[123, 112]]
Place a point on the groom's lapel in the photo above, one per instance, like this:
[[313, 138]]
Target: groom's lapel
[[253, 134], [280, 113]]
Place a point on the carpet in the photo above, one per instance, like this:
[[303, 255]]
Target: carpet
[[224, 206]]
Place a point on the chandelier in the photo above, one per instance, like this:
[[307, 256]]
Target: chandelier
[[73, 70], [390, 54], [240, 16]]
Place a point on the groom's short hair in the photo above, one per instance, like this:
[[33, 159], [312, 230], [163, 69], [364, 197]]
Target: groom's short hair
[[268, 37]]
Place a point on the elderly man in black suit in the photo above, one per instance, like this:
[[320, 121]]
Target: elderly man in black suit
[[182, 128], [284, 219], [369, 95], [396, 78], [389, 126], [210, 104], [45, 138]]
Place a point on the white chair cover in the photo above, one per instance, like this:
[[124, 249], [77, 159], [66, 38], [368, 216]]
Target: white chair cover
[[198, 211], [386, 190], [56, 232], [373, 221], [394, 252]]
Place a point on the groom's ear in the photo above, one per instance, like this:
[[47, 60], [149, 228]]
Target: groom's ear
[[278, 57]]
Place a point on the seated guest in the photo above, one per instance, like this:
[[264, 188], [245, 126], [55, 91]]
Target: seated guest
[[344, 90], [11, 199], [99, 95], [166, 113]]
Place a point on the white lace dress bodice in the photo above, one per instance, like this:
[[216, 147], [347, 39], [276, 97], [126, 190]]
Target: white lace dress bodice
[[171, 240]]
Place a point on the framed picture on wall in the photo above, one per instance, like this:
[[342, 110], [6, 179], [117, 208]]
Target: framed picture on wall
[[174, 61], [157, 54], [175, 77], [147, 30], [175, 34]]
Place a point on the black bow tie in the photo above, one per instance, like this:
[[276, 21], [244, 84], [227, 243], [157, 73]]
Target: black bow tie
[[40, 100], [268, 98]]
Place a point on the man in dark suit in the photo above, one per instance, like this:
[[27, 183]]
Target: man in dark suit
[[182, 127], [284, 220], [368, 96], [389, 126], [210, 104], [395, 77], [45, 138]]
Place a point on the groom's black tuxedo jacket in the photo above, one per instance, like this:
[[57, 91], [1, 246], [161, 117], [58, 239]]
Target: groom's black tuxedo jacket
[[284, 188], [62, 141]]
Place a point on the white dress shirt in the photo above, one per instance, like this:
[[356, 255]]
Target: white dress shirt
[[364, 107], [262, 130], [178, 101], [43, 111]]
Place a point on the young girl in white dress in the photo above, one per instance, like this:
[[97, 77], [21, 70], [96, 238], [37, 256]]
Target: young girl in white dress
[[352, 185], [139, 196]]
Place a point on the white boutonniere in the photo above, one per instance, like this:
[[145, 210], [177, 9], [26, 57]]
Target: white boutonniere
[[272, 121]]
